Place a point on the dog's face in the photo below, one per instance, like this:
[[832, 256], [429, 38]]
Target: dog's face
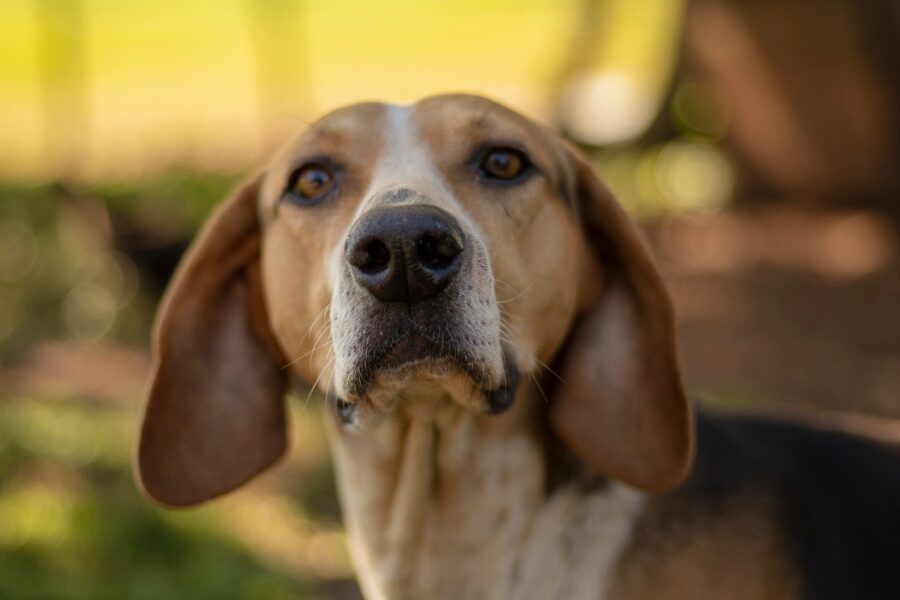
[[421, 252], [432, 255]]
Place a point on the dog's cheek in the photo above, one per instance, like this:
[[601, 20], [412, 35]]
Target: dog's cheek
[[348, 335], [551, 305], [480, 317], [297, 299]]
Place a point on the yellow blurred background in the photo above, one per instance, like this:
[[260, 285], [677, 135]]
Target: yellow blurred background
[[757, 141], [123, 88]]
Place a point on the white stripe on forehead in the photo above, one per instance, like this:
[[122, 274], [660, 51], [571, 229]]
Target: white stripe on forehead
[[405, 161]]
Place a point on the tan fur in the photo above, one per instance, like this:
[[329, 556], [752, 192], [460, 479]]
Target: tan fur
[[440, 499], [733, 551], [208, 427]]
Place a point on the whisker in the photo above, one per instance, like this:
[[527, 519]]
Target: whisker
[[547, 368], [330, 379], [305, 335], [316, 320], [518, 294], [316, 344], [309, 353], [316, 382], [539, 388], [503, 283]]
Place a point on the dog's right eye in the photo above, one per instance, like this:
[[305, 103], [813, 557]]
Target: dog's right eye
[[310, 183], [503, 165]]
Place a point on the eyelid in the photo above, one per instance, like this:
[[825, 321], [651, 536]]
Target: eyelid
[[318, 160], [482, 150]]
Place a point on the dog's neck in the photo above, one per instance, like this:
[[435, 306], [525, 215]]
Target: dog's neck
[[456, 505]]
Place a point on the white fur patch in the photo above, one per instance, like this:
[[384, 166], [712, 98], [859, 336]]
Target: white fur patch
[[406, 163], [576, 542]]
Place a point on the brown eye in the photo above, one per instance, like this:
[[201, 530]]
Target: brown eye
[[504, 163], [311, 182]]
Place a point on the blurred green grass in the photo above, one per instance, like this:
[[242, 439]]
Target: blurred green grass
[[75, 314], [74, 526], [61, 271]]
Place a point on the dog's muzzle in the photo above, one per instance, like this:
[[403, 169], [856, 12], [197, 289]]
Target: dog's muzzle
[[417, 305]]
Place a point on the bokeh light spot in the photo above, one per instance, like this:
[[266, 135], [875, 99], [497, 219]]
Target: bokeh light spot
[[694, 176], [699, 107], [608, 107], [18, 251], [89, 311]]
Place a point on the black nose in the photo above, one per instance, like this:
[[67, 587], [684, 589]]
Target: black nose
[[405, 253]]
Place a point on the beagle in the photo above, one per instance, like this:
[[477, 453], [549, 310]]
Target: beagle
[[498, 354]]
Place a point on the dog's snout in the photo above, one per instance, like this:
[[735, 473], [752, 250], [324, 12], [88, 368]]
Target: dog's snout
[[405, 254]]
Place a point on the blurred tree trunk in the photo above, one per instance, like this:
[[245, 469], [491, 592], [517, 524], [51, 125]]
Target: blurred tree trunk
[[60, 31], [280, 58], [813, 88]]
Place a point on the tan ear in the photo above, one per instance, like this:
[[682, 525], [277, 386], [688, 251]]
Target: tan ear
[[214, 417], [622, 409]]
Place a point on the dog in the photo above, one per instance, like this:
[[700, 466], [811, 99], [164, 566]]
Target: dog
[[498, 355]]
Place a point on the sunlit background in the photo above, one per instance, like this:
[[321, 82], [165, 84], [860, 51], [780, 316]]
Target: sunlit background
[[758, 141]]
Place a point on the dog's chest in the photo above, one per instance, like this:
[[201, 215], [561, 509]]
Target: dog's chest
[[456, 510]]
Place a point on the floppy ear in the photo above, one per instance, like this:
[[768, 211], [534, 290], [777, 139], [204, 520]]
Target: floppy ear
[[215, 416], [622, 409]]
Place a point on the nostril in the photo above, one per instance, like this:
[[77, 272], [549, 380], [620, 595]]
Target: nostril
[[437, 251], [371, 257], [404, 254]]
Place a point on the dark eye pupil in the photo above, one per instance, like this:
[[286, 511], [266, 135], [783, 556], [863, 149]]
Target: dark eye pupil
[[315, 178], [503, 164], [312, 181], [501, 161]]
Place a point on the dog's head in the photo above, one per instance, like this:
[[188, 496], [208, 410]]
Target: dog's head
[[440, 252]]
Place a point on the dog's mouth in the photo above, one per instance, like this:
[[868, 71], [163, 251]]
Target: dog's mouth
[[410, 350], [413, 359]]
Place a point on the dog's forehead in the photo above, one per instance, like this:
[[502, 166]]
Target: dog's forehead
[[433, 120], [461, 114], [393, 144], [364, 117]]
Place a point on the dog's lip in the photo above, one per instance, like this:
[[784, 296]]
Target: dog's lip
[[413, 349], [501, 398], [408, 350]]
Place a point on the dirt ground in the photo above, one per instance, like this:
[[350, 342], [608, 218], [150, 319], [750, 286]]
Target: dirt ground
[[782, 306]]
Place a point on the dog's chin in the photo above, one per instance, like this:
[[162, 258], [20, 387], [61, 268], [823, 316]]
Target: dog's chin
[[423, 384], [416, 371]]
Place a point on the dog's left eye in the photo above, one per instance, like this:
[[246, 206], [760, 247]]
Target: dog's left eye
[[310, 183], [504, 164]]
